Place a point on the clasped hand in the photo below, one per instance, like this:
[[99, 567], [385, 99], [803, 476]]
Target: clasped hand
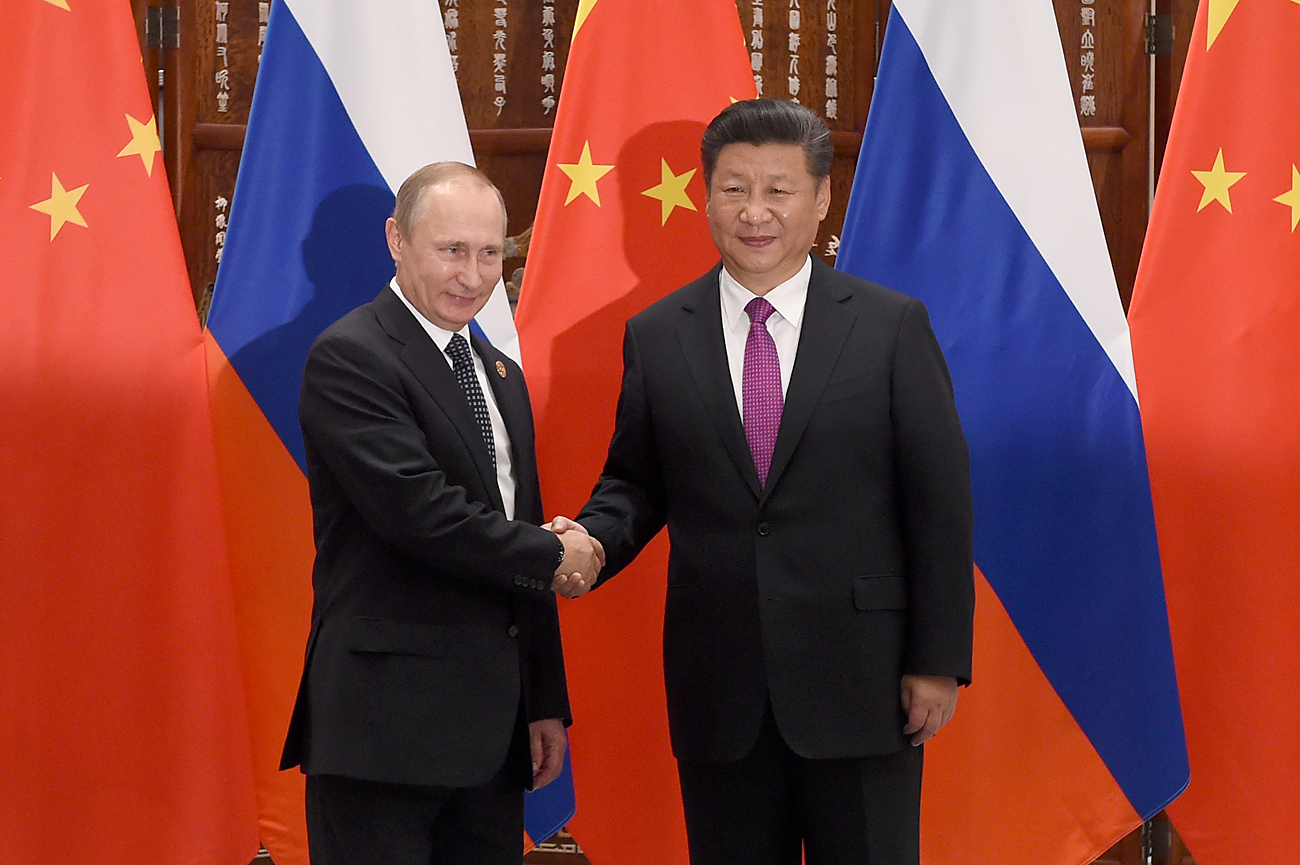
[[583, 558]]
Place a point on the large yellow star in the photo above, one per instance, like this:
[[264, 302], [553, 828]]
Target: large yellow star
[[1219, 12], [144, 142], [671, 191], [1217, 182], [62, 4], [583, 175], [61, 206], [1291, 198]]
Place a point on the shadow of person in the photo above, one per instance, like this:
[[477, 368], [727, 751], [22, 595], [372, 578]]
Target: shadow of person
[[344, 263]]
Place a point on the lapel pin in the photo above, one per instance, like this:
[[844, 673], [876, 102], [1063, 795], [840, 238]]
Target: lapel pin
[[501, 369]]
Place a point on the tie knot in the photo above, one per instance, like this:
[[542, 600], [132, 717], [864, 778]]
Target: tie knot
[[458, 348], [759, 310]]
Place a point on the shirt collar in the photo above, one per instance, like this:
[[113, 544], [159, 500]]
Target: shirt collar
[[439, 336], [788, 298]]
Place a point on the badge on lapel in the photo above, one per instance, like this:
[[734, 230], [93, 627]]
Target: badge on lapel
[[501, 369]]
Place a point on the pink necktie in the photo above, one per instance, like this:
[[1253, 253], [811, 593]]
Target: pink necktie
[[760, 388]]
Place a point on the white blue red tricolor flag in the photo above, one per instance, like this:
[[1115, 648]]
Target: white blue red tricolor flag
[[352, 96], [973, 194]]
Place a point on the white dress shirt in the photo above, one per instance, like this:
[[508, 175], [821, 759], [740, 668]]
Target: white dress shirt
[[501, 438], [784, 325]]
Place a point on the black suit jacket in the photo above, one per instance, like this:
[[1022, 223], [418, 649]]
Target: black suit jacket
[[850, 568], [433, 617]]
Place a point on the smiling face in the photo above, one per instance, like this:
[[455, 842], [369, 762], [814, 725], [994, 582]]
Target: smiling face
[[451, 261], [764, 208]]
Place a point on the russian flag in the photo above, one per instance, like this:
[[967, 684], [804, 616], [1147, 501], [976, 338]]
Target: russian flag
[[973, 194], [352, 96]]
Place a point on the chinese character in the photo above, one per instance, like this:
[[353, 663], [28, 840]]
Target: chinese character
[[830, 5], [794, 19], [1088, 17], [499, 83], [758, 84], [758, 16], [221, 219], [794, 65], [221, 34], [263, 12], [833, 246], [499, 14], [792, 83], [756, 61], [455, 63], [498, 63], [223, 79], [548, 37], [548, 104], [1088, 62], [223, 9], [452, 19], [548, 82], [221, 203], [794, 42], [499, 40], [451, 41], [548, 16], [261, 34], [756, 40], [220, 238], [831, 21], [1087, 81], [1086, 40], [832, 87], [832, 64], [499, 102], [222, 51], [1088, 106], [548, 59], [832, 40], [223, 100], [218, 256], [832, 109]]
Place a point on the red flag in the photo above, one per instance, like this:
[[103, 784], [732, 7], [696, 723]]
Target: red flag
[[123, 733], [620, 223], [1216, 342]]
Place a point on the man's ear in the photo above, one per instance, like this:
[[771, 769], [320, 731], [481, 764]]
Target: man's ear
[[394, 235]]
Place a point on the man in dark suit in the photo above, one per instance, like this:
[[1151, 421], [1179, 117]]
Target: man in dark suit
[[433, 693], [794, 428]]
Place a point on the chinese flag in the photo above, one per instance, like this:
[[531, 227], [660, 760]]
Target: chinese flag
[[1216, 342], [620, 223], [123, 736]]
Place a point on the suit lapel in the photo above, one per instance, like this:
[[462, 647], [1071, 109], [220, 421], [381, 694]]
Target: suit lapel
[[431, 368], [700, 335], [508, 388], [826, 325]]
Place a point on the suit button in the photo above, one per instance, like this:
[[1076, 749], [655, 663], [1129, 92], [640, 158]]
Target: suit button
[[763, 529], [519, 580], [513, 630]]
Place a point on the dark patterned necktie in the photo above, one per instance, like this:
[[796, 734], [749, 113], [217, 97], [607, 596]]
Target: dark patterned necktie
[[458, 351], [760, 388]]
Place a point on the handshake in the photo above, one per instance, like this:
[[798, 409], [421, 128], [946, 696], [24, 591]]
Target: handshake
[[583, 558]]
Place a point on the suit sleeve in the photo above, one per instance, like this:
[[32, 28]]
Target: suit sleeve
[[357, 419], [626, 509], [935, 504]]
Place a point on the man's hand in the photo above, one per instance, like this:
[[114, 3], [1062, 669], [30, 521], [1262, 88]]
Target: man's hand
[[929, 702], [583, 558], [548, 741]]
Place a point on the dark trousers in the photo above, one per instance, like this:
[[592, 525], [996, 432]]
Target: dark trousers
[[352, 822], [772, 805]]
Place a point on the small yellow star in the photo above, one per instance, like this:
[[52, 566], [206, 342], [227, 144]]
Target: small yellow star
[[144, 142], [61, 206], [671, 191], [62, 4], [1291, 198], [1217, 182], [1220, 10], [583, 176]]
